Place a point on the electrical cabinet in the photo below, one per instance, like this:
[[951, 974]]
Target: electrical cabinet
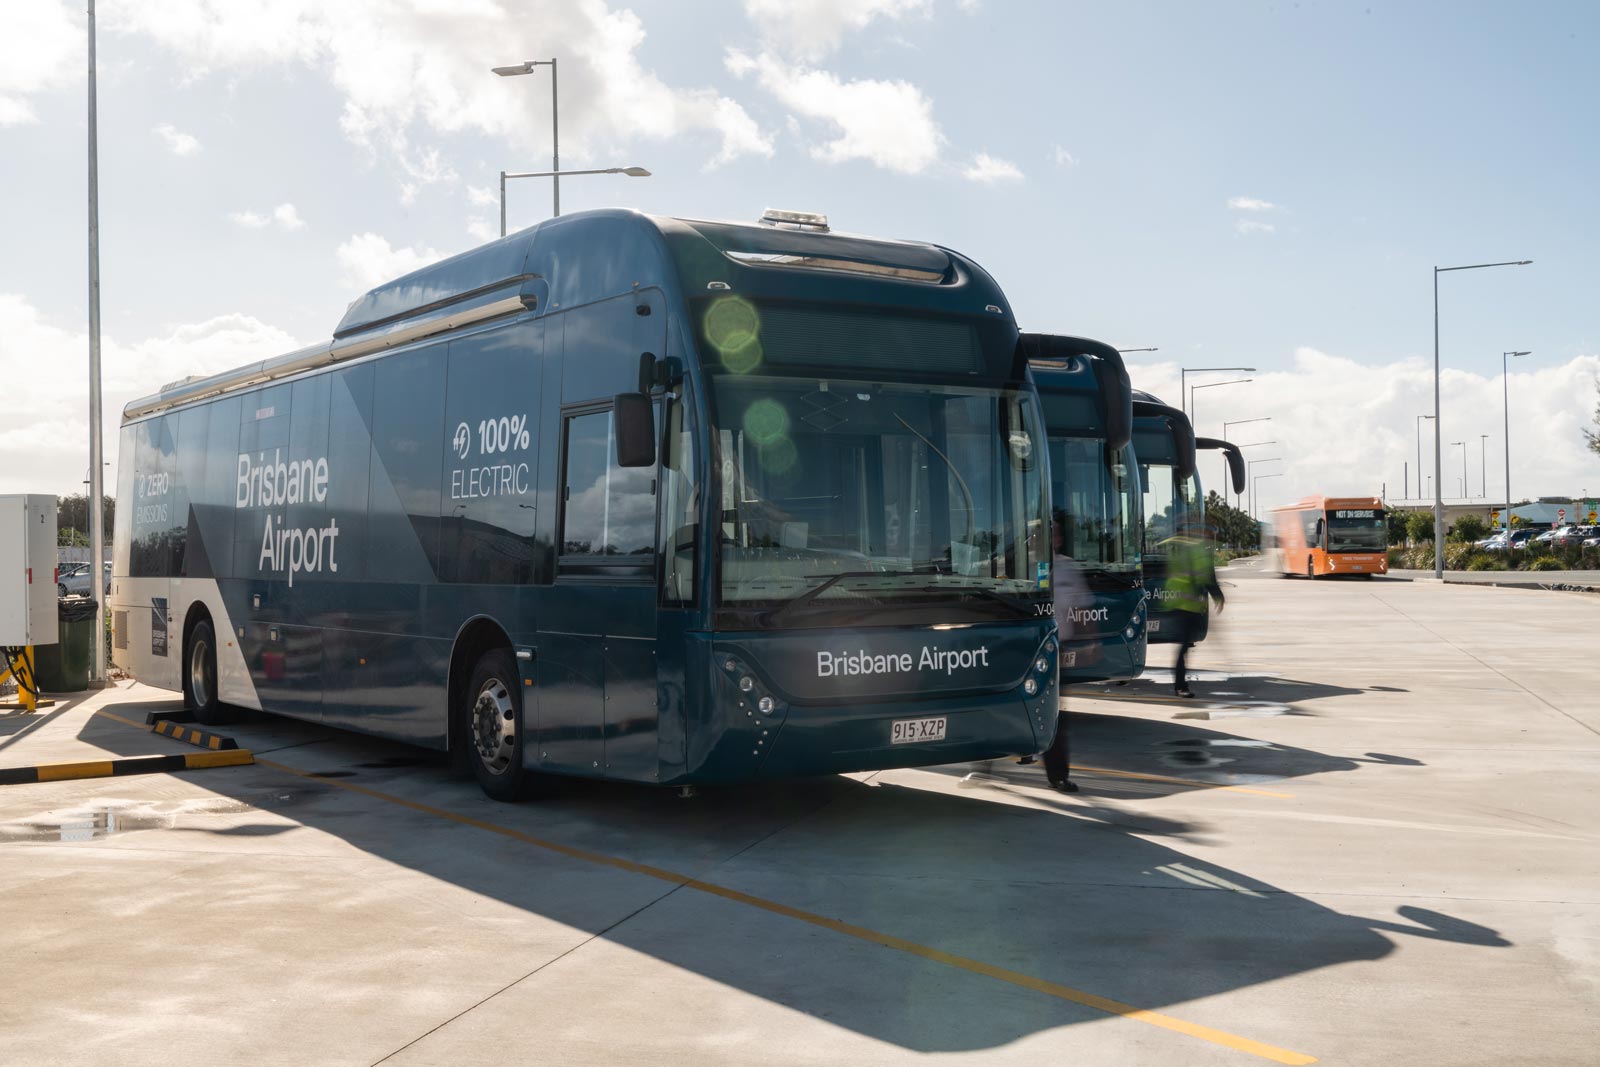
[[28, 570]]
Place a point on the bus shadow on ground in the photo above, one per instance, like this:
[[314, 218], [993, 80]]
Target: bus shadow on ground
[[1061, 893], [1221, 691]]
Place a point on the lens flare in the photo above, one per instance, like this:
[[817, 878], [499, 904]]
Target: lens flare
[[766, 421], [733, 329]]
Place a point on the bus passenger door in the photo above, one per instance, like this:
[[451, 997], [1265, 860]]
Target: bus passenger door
[[597, 643]]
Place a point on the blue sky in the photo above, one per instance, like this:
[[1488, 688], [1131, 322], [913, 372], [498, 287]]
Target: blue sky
[[1241, 183]]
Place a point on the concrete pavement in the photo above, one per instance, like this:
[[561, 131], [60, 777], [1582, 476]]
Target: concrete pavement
[[1370, 840]]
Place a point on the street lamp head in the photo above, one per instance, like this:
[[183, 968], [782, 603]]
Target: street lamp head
[[636, 172], [1513, 355], [513, 71]]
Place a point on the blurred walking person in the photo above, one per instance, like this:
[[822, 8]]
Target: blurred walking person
[[1191, 578]]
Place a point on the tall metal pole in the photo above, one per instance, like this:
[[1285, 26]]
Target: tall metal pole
[[555, 141], [1505, 391], [1438, 469], [97, 517], [1483, 466], [502, 203]]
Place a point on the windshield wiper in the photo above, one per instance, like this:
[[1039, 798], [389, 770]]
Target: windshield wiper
[[811, 594]]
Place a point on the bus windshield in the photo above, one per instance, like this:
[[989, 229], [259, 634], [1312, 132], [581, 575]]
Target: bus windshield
[[1356, 535], [844, 495], [1095, 505]]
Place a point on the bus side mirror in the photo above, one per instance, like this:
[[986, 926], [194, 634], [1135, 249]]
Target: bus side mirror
[[633, 416], [1322, 525]]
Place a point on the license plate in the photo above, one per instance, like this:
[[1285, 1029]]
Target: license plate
[[908, 731], [1069, 659], [1154, 627]]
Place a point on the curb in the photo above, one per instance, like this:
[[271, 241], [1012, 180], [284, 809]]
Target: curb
[[117, 768], [178, 732]]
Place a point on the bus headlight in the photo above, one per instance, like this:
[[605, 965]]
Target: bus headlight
[[1128, 633], [730, 664], [1041, 664], [746, 684], [1030, 685], [1050, 645], [766, 705]]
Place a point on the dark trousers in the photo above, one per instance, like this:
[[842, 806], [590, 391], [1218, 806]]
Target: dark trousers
[[1186, 630], [1058, 757]]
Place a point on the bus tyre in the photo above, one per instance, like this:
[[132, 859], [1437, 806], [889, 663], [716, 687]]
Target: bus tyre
[[491, 726], [1311, 571], [200, 676]]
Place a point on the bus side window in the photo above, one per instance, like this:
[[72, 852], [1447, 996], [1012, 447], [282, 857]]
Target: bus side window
[[680, 504], [608, 514]]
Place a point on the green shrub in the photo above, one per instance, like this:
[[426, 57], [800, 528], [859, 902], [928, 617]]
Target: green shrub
[[1546, 563], [1458, 555], [1397, 558], [1419, 527], [1469, 528], [1486, 563]]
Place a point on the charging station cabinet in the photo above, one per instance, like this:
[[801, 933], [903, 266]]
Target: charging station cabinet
[[28, 614]]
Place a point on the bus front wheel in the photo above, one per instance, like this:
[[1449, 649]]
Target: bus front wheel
[[491, 726], [1311, 572]]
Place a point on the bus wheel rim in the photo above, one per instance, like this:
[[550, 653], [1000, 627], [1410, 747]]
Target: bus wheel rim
[[199, 674], [494, 726]]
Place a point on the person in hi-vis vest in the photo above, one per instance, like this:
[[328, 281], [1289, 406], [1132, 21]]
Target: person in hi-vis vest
[[1071, 592], [1191, 578]]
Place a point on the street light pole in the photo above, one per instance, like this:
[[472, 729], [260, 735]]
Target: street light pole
[[97, 516], [632, 172], [1250, 476], [1505, 387], [1438, 489], [1463, 445], [1483, 467], [1419, 452], [527, 67], [1183, 379], [1209, 385], [1235, 422]]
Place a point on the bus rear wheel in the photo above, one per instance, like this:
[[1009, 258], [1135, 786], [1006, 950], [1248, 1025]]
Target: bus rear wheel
[[200, 695], [491, 727], [1311, 572]]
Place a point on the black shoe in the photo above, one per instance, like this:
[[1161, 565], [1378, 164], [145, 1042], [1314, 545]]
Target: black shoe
[[1063, 785], [1025, 760], [1186, 693]]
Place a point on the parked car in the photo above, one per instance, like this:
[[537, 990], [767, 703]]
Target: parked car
[[1573, 536], [1543, 540], [1519, 539], [75, 581]]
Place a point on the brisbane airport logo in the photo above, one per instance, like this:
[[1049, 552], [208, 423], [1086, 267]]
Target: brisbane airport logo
[[931, 659], [274, 483]]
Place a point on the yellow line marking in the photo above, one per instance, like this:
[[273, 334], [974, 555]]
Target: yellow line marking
[[114, 717], [965, 963], [1182, 781], [62, 772]]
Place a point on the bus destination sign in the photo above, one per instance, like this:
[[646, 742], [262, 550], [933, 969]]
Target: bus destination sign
[[1356, 513]]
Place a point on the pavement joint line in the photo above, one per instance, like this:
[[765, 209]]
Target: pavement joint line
[[117, 768], [1182, 781], [1015, 978]]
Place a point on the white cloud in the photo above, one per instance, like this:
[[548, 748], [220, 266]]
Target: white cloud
[[888, 123], [49, 427], [367, 259], [284, 216], [1062, 158], [42, 47], [990, 170], [482, 196], [811, 29], [1249, 226], [177, 142], [287, 217], [1343, 427], [1250, 203], [482, 230], [418, 68]]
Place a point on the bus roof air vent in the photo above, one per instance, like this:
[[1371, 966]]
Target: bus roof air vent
[[798, 220]]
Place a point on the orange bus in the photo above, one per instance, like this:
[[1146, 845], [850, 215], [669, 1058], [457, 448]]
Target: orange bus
[[1331, 535]]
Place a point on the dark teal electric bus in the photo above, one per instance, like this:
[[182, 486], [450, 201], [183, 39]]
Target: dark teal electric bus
[[1095, 505], [1165, 446], [618, 496]]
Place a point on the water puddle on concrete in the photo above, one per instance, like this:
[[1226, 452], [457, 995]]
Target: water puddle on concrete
[[1189, 753], [107, 820]]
